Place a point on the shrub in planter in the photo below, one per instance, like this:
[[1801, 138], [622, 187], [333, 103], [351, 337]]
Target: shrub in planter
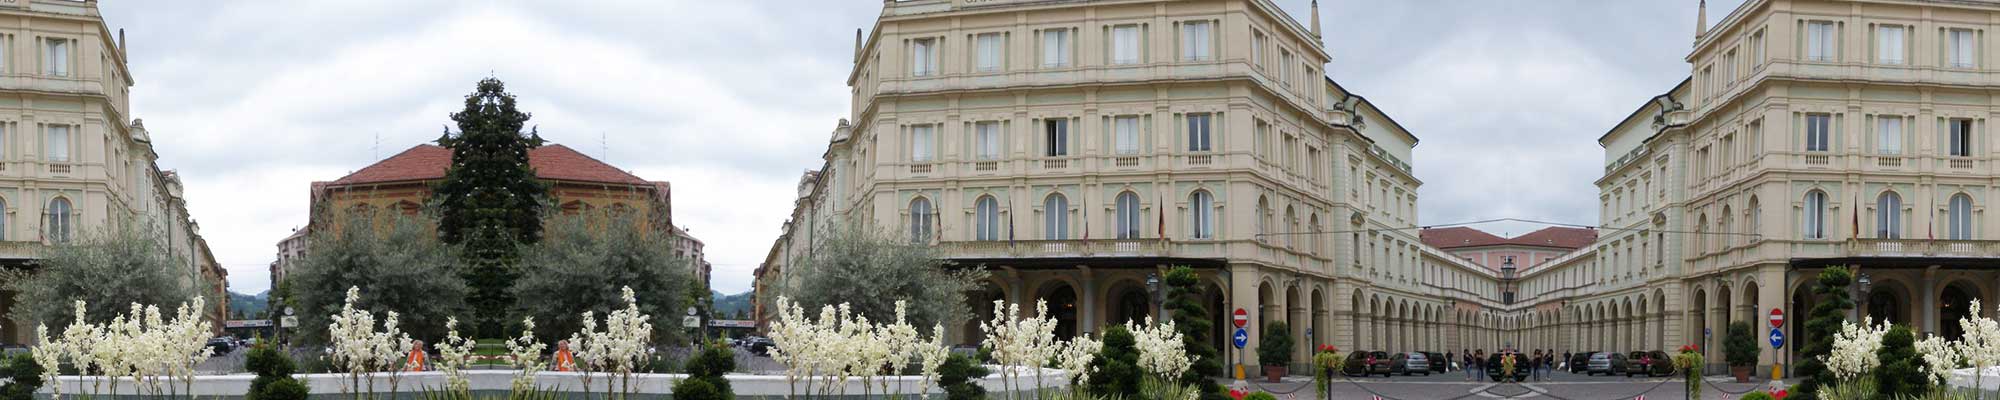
[[23, 375], [956, 375], [274, 375], [1902, 372], [705, 381], [1739, 349], [1117, 365], [1274, 351]]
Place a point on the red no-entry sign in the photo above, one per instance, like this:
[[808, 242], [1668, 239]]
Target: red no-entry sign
[[1242, 318], [1777, 318]]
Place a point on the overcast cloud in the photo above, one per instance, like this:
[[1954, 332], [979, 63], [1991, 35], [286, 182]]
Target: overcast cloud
[[731, 100]]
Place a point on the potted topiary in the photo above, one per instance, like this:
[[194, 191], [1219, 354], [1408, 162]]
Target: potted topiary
[[1739, 349], [1274, 352]]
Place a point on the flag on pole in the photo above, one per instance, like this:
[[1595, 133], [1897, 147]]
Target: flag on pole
[[1856, 234], [1084, 212], [1010, 220], [1930, 231], [1163, 216], [937, 221]]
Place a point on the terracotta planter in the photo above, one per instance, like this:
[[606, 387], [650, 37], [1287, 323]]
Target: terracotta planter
[[1274, 373], [1742, 373]]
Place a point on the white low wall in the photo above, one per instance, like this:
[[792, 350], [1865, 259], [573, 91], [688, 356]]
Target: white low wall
[[1963, 378], [651, 385]]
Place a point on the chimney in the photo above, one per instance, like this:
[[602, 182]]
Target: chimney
[[1701, 21], [1315, 18], [857, 45], [121, 42]]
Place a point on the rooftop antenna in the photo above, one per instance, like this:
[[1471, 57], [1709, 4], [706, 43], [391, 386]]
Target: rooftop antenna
[[603, 147], [376, 150]]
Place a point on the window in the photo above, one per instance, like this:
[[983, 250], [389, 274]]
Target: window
[[1257, 43], [986, 140], [1959, 214], [1961, 137], [3, 220], [1889, 216], [1820, 41], [1201, 215], [1055, 137], [920, 142], [1126, 134], [1889, 44], [1263, 219], [1198, 132], [1889, 134], [59, 220], [1128, 216], [58, 143], [1196, 41], [1963, 51], [1125, 44], [923, 57], [4, 135], [921, 220], [988, 52], [57, 56], [1285, 68], [1754, 221], [1757, 49], [985, 219], [1815, 215], [1055, 218], [1816, 131], [1055, 48]]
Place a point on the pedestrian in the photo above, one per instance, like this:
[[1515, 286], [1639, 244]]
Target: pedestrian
[[565, 361], [1566, 359], [1450, 361], [417, 358]]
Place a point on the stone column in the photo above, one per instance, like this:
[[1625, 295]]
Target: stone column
[[1929, 302], [1087, 316]]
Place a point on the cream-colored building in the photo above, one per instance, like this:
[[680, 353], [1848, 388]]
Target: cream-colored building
[[73, 160], [1078, 148], [1811, 134]]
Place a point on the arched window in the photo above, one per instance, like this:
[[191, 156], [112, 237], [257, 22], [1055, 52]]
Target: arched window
[[3, 210], [1960, 215], [1263, 219], [921, 220], [1128, 216], [1889, 216], [59, 220], [1055, 217], [1723, 230], [1815, 215], [1291, 227], [1753, 220], [1313, 237], [1701, 235], [985, 219], [1201, 215]]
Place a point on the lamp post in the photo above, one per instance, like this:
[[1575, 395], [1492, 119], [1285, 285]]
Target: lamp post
[[1865, 285], [1159, 298]]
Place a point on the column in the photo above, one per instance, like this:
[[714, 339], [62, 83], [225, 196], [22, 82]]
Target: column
[[1087, 317], [1930, 308]]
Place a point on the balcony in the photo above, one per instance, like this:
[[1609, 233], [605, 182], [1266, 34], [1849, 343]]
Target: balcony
[[1055, 248], [986, 166], [1924, 248], [1817, 159], [1889, 161], [59, 168], [920, 168], [20, 250], [1959, 164], [1198, 159], [1125, 162]]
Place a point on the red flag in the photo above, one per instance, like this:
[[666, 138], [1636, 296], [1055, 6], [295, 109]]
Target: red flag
[[1085, 213], [1163, 216], [1930, 231], [1856, 234]]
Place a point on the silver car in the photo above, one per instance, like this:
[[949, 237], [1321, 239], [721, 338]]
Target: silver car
[[1600, 363], [1411, 363]]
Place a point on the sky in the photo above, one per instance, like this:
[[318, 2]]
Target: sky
[[251, 101]]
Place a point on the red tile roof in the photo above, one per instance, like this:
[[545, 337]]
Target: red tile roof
[[1558, 237], [551, 162]]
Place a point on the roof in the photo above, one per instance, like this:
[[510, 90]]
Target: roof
[[1459, 237], [551, 162]]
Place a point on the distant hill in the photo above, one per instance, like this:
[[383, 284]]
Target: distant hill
[[248, 306], [728, 306]]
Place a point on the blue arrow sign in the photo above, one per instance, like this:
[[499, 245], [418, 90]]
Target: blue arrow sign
[[1242, 337], [1777, 338]]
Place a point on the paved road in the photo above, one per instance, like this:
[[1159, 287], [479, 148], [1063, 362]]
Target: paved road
[[1559, 386]]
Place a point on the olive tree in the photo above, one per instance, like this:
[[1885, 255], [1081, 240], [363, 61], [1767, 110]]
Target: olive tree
[[395, 259], [108, 270], [871, 271], [584, 261]]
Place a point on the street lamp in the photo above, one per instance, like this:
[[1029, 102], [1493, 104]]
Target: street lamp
[[1153, 288], [1865, 285]]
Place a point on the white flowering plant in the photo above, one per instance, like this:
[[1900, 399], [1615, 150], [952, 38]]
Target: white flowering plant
[[362, 351], [619, 348], [1018, 343], [840, 345], [1980, 346], [1854, 349], [142, 345], [526, 356], [454, 356]]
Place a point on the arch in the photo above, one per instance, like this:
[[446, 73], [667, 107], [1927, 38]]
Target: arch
[[1318, 319], [1753, 220], [1128, 300], [60, 219], [1889, 215], [981, 300], [986, 218], [1129, 221], [1750, 301], [1201, 215], [1813, 215], [1888, 299], [1055, 217], [1701, 234], [1958, 217], [1266, 305], [1062, 300], [921, 219], [1723, 228], [1953, 305], [1291, 227], [1312, 236], [1700, 328], [1263, 219]]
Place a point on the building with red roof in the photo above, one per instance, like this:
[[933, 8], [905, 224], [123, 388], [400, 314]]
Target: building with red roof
[[1524, 251]]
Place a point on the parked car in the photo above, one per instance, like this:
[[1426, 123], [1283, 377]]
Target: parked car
[[1356, 364], [221, 345], [1410, 363], [759, 346], [1379, 363], [1648, 363], [1580, 362], [1605, 363], [1439, 363], [1497, 371]]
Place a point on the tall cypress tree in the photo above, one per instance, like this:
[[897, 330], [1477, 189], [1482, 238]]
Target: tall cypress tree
[[1821, 327], [490, 203]]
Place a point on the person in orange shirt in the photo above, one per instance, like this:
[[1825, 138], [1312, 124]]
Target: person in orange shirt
[[417, 359], [565, 361]]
